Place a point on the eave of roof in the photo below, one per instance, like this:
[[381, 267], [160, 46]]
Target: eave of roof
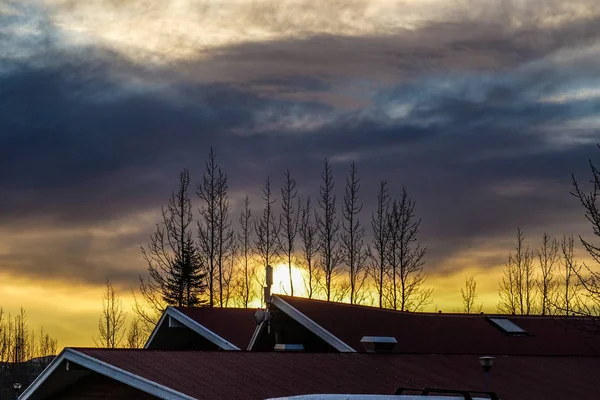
[[106, 369], [257, 375]]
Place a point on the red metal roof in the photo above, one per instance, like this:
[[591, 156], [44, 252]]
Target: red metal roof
[[247, 375], [434, 333], [235, 325]]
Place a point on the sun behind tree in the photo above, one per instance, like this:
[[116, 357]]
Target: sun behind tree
[[281, 280]]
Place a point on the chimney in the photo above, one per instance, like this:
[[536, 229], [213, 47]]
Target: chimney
[[268, 283], [378, 344], [289, 347]]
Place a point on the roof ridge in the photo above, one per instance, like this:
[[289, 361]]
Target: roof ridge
[[215, 308], [426, 313]]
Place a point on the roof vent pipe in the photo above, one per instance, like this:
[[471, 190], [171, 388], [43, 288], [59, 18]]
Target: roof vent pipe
[[289, 347], [378, 344], [268, 283]]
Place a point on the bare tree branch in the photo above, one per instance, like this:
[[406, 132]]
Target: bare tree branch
[[214, 227], [308, 236], [379, 267], [328, 231], [353, 235], [547, 256], [267, 229], [175, 276], [290, 214], [469, 295], [111, 325], [406, 257], [517, 288]]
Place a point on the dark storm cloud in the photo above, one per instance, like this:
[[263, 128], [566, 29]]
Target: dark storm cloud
[[492, 43], [73, 143], [455, 111]]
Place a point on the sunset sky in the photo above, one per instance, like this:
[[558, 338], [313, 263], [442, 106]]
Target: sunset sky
[[482, 109]]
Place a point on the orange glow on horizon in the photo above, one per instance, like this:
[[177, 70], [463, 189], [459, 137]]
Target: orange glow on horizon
[[69, 311]]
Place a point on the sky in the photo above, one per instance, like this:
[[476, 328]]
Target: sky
[[482, 109]]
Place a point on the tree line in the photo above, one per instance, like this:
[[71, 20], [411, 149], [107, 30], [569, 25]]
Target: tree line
[[204, 262], [24, 352], [549, 280], [543, 280], [546, 280], [195, 257]]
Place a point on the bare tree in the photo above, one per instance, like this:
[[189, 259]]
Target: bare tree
[[229, 274], [245, 283], [568, 301], [4, 347], [469, 295], [290, 213], [111, 325], [135, 336], [517, 288], [267, 229], [175, 276], [214, 227], [19, 343], [328, 230], [226, 250], [22, 346], [589, 279], [308, 236], [353, 235], [379, 266], [406, 257], [48, 346], [547, 256]]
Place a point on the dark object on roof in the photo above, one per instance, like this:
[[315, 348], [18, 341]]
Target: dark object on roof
[[434, 333], [378, 344], [507, 326], [466, 394]]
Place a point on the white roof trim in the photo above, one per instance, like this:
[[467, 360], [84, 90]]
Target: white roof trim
[[156, 327], [311, 325], [43, 376], [256, 334], [193, 325], [201, 329], [103, 368]]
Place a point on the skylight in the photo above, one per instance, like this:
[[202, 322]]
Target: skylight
[[507, 326]]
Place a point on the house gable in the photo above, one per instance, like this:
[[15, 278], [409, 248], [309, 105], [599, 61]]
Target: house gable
[[177, 331], [287, 325], [72, 367]]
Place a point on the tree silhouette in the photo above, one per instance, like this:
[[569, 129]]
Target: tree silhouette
[[328, 230], [517, 286], [406, 257], [353, 234], [214, 227], [290, 213], [267, 229], [175, 275], [379, 265], [245, 284], [111, 325], [469, 295], [308, 236], [548, 257], [588, 278]]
